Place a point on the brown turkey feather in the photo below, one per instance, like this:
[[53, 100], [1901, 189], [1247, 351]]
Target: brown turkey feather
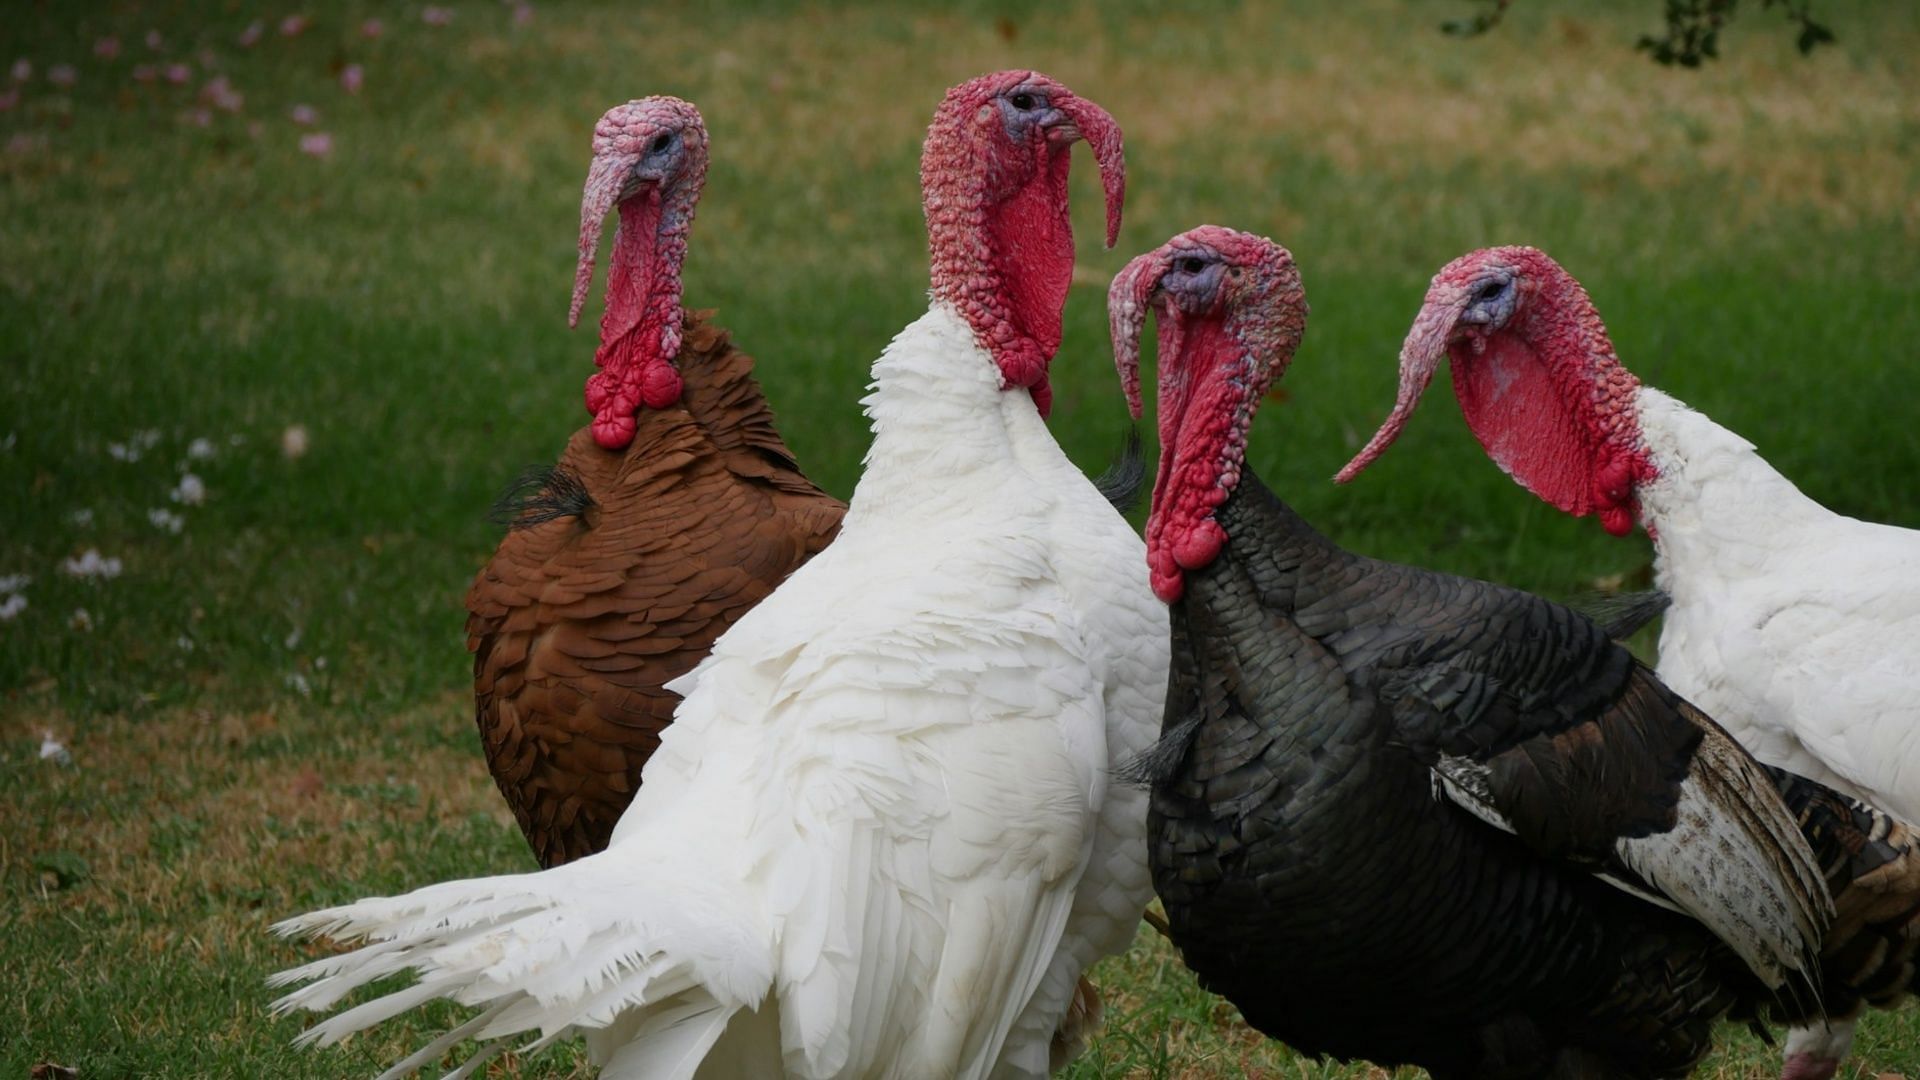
[[580, 619]]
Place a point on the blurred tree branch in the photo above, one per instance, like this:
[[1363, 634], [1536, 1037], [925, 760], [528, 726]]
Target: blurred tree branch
[[1693, 27]]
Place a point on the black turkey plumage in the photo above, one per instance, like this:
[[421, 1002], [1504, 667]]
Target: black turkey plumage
[[1420, 819]]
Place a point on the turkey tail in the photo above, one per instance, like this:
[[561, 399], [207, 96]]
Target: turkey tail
[[1871, 861], [1126, 478], [623, 944], [1742, 868]]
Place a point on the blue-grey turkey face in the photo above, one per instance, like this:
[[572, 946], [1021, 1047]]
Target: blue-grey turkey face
[[1025, 109], [1491, 300], [1194, 278]]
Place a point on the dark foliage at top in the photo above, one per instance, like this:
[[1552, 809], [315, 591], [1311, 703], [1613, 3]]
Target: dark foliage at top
[[1692, 31]]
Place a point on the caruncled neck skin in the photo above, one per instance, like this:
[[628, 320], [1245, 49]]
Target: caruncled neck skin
[[993, 178], [1231, 313], [650, 159], [1537, 381]]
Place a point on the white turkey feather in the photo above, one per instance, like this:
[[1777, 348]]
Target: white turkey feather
[[1794, 627], [878, 838]]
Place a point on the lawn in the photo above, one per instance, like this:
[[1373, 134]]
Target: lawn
[[266, 709]]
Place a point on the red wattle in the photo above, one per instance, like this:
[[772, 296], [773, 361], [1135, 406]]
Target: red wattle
[[600, 389], [1169, 584], [660, 384], [1202, 417], [1200, 546]]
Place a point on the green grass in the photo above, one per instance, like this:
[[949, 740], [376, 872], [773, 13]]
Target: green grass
[[268, 710]]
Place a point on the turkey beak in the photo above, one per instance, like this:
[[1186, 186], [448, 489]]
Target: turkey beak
[[1420, 357], [1128, 299], [607, 180], [1094, 124]]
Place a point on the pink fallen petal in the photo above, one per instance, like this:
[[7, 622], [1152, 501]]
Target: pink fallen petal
[[255, 129], [294, 25], [200, 117], [62, 75], [145, 73], [304, 115], [252, 34], [23, 143], [106, 48], [155, 41], [179, 74], [372, 28], [22, 70], [522, 14], [351, 78], [436, 16], [9, 99], [220, 94], [318, 144]]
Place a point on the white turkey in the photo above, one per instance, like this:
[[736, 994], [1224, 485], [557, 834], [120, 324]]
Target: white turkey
[[1422, 819], [1797, 628], [878, 838]]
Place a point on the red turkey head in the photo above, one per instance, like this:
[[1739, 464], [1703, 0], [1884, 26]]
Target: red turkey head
[[1536, 378], [1231, 312], [650, 160], [993, 178]]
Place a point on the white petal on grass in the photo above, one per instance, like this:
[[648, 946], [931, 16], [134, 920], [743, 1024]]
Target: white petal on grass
[[89, 564], [81, 619], [51, 750], [293, 442], [183, 643], [293, 639], [82, 517], [298, 683], [189, 491], [166, 520], [13, 583], [200, 450], [12, 606]]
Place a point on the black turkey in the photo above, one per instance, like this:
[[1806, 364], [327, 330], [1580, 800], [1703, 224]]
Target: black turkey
[[1420, 819]]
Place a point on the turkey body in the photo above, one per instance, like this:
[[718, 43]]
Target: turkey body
[[1799, 626], [1313, 873], [616, 578]]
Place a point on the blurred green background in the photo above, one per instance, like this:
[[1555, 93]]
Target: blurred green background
[[352, 342]]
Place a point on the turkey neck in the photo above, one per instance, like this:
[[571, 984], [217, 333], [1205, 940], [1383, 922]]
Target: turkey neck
[[1273, 564], [943, 427], [1714, 507]]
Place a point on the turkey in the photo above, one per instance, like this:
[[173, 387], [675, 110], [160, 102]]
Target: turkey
[[668, 518], [879, 838], [1420, 819], [1797, 628]]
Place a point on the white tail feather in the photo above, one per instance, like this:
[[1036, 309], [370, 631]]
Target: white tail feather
[[647, 943]]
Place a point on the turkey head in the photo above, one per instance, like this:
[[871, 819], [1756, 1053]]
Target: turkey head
[[1537, 381], [650, 161], [993, 177], [1231, 312]]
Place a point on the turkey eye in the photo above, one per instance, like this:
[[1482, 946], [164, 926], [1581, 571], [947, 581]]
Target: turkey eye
[[660, 143], [1192, 264], [1490, 290], [1022, 101]]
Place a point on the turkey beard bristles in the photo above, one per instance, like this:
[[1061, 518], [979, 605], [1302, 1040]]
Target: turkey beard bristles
[[1231, 312], [650, 160], [541, 493]]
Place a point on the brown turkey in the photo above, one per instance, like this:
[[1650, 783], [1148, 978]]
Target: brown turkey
[[1419, 819], [676, 511]]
